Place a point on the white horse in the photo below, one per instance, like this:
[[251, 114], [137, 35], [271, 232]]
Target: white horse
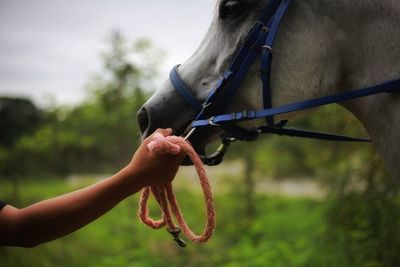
[[323, 47]]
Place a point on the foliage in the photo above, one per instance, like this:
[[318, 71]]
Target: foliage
[[18, 117], [98, 135], [365, 228], [355, 231]]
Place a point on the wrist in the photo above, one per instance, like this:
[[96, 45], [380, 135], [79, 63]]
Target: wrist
[[131, 181]]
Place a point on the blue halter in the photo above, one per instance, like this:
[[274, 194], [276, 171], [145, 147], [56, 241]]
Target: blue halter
[[259, 42]]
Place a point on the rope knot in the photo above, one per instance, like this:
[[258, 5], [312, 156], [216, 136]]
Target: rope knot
[[165, 197], [163, 145]]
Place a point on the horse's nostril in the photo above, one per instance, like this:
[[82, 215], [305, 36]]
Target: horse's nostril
[[143, 120]]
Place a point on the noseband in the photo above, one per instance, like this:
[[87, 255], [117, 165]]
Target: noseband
[[259, 43]]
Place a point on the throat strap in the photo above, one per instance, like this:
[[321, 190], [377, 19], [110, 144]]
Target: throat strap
[[387, 87]]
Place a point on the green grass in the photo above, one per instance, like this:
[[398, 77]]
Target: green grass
[[278, 232]]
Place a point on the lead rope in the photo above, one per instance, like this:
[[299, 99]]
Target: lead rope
[[165, 197]]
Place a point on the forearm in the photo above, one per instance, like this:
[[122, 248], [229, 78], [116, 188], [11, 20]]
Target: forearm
[[59, 216]]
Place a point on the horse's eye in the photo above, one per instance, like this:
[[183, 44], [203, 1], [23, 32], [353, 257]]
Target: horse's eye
[[232, 9]]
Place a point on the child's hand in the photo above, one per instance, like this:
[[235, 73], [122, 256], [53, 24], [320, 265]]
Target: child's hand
[[153, 168]]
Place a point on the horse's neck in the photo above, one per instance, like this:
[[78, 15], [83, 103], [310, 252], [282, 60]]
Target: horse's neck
[[380, 116], [371, 55], [344, 45], [367, 40]]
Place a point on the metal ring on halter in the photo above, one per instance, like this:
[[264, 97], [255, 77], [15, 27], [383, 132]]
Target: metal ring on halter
[[218, 156], [211, 122]]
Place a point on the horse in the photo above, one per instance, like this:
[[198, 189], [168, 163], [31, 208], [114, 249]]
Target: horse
[[322, 47]]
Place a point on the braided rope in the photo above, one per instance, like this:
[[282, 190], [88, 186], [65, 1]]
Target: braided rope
[[165, 197]]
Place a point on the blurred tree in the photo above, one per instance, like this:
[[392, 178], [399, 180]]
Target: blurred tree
[[98, 135], [17, 117]]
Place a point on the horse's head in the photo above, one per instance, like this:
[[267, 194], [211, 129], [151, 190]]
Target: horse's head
[[229, 28]]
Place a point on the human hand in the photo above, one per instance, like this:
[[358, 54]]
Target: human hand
[[152, 168]]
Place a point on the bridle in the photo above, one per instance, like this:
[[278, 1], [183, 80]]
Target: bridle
[[260, 42]]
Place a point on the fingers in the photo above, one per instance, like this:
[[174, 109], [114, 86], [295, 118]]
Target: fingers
[[163, 132]]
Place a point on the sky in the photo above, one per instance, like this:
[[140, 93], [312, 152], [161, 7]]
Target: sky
[[50, 48]]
